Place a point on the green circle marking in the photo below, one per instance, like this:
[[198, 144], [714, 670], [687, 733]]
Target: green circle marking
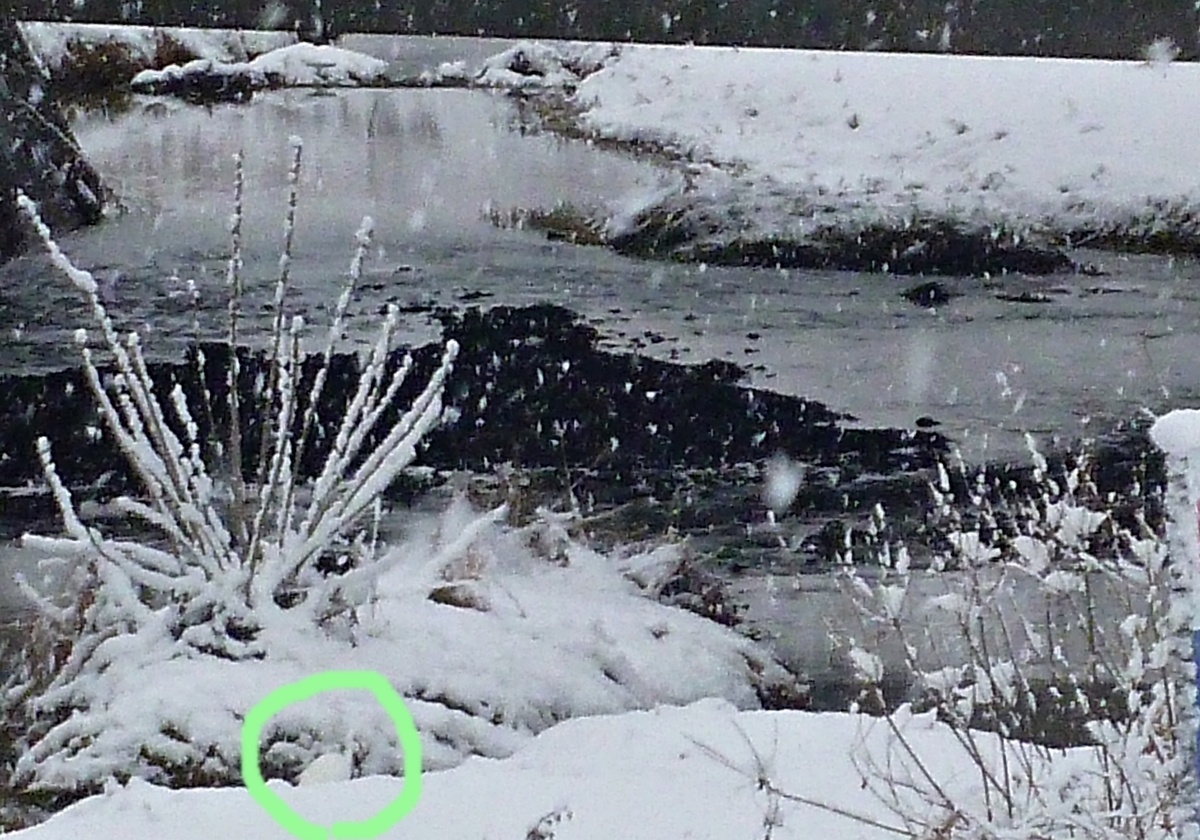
[[406, 733]]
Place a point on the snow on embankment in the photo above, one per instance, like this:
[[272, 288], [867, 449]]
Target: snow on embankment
[[902, 162], [93, 57], [200, 65], [298, 65]]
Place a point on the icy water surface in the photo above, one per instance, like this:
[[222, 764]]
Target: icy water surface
[[1078, 353], [428, 166]]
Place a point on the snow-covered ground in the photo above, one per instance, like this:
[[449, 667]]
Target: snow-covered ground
[[651, 775], [493, 633], [868, 136]]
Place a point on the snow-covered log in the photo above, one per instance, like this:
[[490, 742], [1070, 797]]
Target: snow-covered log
[[38, 154]]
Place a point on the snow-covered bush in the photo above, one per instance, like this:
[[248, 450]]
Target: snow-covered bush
[[229, 556], [1048, 622], [533, 65], [1160, 52], [151, 648]]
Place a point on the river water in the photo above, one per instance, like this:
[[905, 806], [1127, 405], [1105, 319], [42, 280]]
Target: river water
[[429, 166]]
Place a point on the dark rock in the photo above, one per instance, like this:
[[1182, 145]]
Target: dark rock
[[201, 82], [1024, 297], [929, 294], [38, 154]]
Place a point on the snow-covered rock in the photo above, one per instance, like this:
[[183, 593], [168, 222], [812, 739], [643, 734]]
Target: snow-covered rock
[[538, 65], [202, 80], [299, 65], [319, 66], [330, 767]]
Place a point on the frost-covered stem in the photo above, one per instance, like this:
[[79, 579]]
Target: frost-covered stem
[[278, 331], [362, 240], [276, 482], [233, 277], [136, 404], [361, 415], [387, 459], [278, 404], [163, 440], [359, 418], [337, 510]]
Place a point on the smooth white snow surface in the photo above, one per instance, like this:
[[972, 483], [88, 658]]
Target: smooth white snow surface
[[994, 139], [659, 775]]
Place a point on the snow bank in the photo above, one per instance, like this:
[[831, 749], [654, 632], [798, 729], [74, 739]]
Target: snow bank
[[524, 631], [1037, 146], [310, 65], [298, 65], [670, 772], [539, 65], [53, 42]]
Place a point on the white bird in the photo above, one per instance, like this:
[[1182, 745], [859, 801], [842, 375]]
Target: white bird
[[330, 767]]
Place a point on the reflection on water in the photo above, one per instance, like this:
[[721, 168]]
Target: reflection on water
[[422, 163], [425, 165]]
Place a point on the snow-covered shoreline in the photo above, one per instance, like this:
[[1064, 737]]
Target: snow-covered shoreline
[[879, 161], [785, 144], [53, 42]]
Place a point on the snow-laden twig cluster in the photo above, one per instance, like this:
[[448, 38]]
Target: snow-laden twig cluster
[[1017, 629]]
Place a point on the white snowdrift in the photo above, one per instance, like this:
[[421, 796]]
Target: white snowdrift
[[1018, 141], [540, 65], [298, 65], [311, 65], [666, 773], [51, 42]]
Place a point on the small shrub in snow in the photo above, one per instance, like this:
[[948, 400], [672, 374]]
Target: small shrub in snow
[[1029, 630], [1160, 52], [233, 556]]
